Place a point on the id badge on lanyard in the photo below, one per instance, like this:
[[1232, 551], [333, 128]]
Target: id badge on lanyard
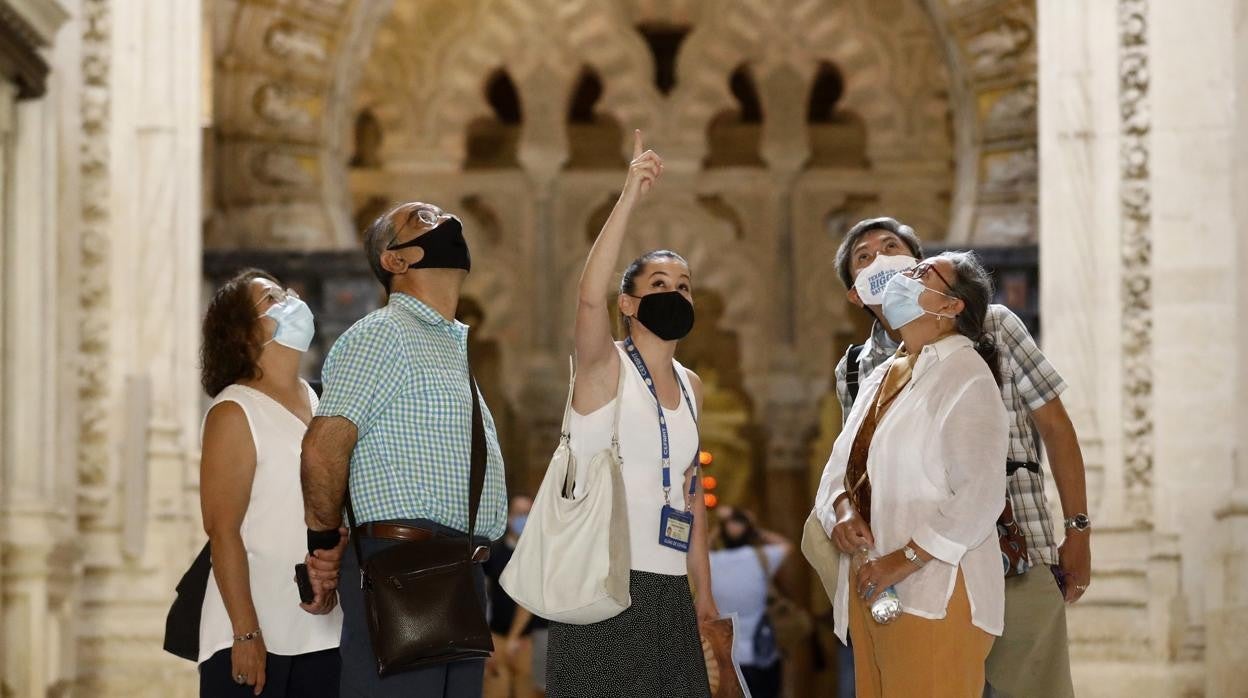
[[675, 525]]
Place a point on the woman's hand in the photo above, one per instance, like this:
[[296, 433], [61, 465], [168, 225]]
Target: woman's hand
[[247, 662], [881, 573], [706, 608], [851, 532], [643, 171]]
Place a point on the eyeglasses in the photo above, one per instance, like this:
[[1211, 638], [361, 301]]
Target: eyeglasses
[[426, 214], [277, 295], [918, 271]]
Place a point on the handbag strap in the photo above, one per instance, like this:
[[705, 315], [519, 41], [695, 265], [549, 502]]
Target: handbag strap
[[476, 476], [762, 560], [565, 434]]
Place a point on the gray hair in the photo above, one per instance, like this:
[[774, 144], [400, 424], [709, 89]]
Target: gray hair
[[377, 237], [844, 253], [972, 284]]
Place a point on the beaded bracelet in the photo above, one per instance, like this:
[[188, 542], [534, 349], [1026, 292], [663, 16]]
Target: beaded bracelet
[[248, 636]]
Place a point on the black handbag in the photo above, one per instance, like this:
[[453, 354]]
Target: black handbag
[[182, 623], [420, 597]]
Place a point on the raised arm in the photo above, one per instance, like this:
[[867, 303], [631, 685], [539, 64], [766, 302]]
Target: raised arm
[[596, 360]]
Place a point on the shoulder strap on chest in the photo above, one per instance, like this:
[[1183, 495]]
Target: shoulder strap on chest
[[851, 369]]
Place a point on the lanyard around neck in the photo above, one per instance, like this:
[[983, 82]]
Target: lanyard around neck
[[640, 363]]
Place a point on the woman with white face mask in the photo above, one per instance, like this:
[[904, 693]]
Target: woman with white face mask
[[254, 637], [913, 488]]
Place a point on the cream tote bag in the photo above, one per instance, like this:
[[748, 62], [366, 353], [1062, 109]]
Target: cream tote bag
[[571, 564]]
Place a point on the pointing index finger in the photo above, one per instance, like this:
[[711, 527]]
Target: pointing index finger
[[637, 146]]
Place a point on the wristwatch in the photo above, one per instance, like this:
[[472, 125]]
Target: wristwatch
[[1079, 522], [912, 556]]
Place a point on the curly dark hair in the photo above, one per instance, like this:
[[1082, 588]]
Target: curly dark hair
[[231, 348]]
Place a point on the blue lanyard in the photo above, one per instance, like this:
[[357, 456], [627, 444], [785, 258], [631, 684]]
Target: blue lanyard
[[663, 439]]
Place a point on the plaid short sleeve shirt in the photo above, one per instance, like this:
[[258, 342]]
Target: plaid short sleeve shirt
[[400, 375], [1028, 382]]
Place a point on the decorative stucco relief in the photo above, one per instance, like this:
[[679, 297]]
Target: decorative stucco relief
[[1137, 251]]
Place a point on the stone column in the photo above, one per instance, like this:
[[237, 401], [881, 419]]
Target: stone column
[[142, 530], [36, 497], [1227, 617], [1097, 274]]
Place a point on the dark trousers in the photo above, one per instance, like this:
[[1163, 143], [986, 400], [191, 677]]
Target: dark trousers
[[359, 664], [311, 675], [764, 682]]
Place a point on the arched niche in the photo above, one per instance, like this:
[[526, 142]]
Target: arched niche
[[492, 141], [594, 136], [838, 137], [734, 136]]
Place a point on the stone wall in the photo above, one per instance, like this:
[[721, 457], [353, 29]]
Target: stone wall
[[100, 316], [1139, 279]]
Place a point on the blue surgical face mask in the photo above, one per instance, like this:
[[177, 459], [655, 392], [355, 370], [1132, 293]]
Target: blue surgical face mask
[[901, 301], [518, 522], [295, 327]]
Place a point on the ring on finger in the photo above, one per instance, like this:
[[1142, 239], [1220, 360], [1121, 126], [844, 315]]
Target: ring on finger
[[240, 679]]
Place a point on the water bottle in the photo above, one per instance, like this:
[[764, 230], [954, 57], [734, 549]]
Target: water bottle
[[886, 607]]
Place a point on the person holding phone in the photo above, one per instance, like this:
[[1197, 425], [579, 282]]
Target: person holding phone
[[254, 637]]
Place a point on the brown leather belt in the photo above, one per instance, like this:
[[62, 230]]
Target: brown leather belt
[[390, 531]]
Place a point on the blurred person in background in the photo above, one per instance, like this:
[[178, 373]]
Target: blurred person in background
[[509, 672], [743, 569]]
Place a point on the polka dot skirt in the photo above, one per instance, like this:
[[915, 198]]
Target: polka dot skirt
[[651, 649]]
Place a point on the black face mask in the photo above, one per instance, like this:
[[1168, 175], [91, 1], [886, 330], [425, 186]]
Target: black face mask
[[444, 246], [668, 315], [731, 543]]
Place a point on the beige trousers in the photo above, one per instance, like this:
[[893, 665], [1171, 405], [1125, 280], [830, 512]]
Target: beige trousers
[[915, 656], [1031, 658]]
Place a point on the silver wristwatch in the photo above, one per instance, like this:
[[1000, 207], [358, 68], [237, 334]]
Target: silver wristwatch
[[1079, 522], [912, 556]]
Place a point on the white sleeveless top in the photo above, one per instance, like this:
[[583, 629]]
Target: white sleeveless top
[[275, 536], [641, 450]]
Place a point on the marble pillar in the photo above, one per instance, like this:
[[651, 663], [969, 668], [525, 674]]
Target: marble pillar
[[37, 553], [1138, 291], [142, 530], [1227, 610]]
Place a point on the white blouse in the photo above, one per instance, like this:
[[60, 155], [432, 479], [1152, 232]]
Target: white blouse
[[937, 471], [274, 535], [641, 451]]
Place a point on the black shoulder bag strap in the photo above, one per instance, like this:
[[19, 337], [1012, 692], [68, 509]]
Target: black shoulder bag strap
[[851, 369], [476, 478]]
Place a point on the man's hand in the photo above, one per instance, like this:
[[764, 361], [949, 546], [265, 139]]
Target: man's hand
[[323, 570], [1075, 559]]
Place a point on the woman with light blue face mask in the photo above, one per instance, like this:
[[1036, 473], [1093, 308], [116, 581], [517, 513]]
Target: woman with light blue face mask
[[913, 488], [255, 634]]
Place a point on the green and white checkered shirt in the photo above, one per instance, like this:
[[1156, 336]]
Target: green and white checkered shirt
[[400, 375], [1028, 382]]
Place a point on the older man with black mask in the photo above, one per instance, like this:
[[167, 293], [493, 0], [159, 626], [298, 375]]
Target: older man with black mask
[[1031, 658], [397, 419]]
